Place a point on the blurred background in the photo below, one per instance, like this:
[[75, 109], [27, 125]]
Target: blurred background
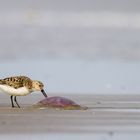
[[73, 46]]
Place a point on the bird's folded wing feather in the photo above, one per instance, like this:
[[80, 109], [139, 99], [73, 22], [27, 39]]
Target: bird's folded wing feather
[[16, 82]]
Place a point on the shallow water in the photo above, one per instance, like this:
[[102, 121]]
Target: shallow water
[[55, 136], [78, 76]]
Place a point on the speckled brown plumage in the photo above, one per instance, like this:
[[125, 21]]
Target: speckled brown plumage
[[17, 82]]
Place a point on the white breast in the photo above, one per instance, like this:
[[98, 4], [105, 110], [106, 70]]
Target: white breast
[[16, 92]]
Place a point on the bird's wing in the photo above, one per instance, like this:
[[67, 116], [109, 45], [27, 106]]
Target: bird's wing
[[2, 82], [17, 81]]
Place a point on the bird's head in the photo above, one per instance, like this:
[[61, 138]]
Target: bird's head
[[38, 86]]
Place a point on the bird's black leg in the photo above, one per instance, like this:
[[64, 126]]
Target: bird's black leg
[[12, 101], [15, 99]]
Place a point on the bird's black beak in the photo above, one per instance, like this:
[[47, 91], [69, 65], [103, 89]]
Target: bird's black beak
[[44, 93]]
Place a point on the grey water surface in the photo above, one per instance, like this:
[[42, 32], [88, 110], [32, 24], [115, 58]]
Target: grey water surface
[[71, 76]]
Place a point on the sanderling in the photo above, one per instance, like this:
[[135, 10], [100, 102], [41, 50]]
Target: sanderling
[[20, 86]]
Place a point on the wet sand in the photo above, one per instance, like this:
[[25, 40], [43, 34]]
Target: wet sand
[[106, 114]]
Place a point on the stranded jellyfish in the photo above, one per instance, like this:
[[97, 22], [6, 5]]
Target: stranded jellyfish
[[61, 103]]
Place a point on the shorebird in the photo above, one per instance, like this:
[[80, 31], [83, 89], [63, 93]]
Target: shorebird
[[20, 86]]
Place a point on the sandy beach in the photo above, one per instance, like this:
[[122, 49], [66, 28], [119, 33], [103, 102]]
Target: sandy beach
[[112, 115]]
